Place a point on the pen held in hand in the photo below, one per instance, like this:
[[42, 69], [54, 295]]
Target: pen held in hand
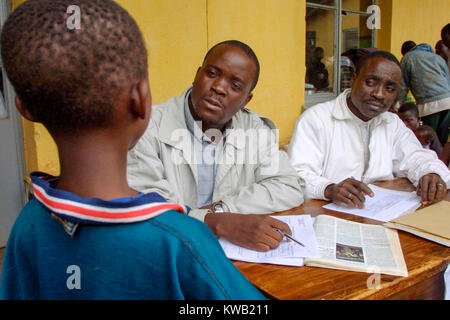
[[290, 237]]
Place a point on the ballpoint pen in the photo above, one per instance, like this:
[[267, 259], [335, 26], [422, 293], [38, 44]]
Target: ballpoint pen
[[290, 237]]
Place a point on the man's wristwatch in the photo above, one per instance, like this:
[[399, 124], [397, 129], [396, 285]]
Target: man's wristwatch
[[218, 207]]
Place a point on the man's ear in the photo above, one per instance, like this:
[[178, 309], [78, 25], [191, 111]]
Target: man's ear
[[23, 110], [249, 98], [141, 99]]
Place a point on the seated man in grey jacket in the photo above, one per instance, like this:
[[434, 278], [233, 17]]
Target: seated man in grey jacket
[[204, 149]]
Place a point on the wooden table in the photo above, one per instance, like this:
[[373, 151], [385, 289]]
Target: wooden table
[[426, 262]]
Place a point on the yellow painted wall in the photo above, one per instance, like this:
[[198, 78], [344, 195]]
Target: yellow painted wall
[[417, 20], [275, 29], [176, 37], [384, 34]]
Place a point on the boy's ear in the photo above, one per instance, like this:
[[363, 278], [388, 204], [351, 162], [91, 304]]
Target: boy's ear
[[24, 111], [141, 99]]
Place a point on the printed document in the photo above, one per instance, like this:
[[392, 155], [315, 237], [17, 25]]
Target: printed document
[[353, 246], [288, 252], [386, 204]]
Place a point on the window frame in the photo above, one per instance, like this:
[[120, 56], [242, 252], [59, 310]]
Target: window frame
[[338, 9]]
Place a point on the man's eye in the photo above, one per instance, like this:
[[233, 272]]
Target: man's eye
[[210, 72], [236, 85], [390, 89], [370, 82]]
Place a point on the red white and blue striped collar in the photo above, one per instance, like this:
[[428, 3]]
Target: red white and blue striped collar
[[69, 206]]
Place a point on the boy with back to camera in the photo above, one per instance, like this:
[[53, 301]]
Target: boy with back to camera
[[88, 235]]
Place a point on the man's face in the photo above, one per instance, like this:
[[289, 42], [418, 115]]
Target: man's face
[[375, 88], [409, 119], [222, 86]]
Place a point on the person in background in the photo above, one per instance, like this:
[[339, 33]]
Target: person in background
[[445, 35], [316, 72], [441, 50], [426, 135], [427, 76], [409, 113], [407, 46]]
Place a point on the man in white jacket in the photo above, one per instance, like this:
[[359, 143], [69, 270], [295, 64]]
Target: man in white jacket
[[340, 146], [204, 149]]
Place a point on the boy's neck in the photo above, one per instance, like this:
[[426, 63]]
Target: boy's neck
[[94, 167]]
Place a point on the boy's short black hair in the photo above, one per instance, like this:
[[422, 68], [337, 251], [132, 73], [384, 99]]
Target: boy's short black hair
[[69, 78], [409, 106], [247, 50]]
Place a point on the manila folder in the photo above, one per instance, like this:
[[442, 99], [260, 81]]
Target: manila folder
[[433, 220]]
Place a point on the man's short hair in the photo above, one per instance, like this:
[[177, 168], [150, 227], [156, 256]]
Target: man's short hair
[[68, 78], [247, 50], [409, 106], [377, 54], [407, 46]]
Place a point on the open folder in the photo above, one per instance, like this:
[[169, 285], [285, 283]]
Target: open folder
[[432, 223]]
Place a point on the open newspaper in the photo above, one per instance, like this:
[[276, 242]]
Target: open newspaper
[[353, 246], [331, 242]]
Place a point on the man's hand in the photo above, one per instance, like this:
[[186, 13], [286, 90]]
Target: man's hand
[[252, 231], [350, 192], [431, 188]]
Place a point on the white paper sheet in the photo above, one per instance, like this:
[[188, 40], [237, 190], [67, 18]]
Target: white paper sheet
[[288, 252], [385, 206]]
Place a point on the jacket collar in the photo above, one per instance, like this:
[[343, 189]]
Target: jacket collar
[[341, 110], [70, 209]]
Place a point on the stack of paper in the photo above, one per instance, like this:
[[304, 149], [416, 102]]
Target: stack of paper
[[432, 223], [385, 205], [288, 252]]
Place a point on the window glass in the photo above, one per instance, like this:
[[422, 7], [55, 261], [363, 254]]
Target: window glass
[[319, 51], [324, 44]]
